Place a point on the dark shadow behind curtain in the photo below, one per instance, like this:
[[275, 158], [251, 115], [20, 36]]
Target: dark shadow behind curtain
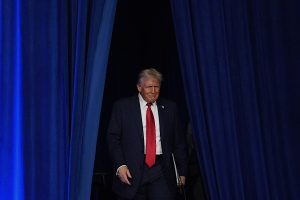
[[52, 72], [240, 66], [143, 36]]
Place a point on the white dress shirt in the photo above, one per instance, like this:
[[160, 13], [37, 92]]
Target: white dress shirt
[[143, 106]]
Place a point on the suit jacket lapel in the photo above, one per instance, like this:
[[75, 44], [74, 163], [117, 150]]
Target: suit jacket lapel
[[162, 117], [136, 115]]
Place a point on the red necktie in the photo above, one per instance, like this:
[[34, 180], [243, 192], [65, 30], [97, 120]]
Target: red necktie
[[150, 137]]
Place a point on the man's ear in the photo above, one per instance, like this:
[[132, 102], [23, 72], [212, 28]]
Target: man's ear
[[138, 87]]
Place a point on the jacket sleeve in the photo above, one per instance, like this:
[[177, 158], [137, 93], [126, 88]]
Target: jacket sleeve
[[180, 148], [114, 135]]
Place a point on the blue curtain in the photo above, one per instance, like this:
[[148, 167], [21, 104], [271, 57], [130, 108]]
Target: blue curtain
[[240, 66], [53, 57]]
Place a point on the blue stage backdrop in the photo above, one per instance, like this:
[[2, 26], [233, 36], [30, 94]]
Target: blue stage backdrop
[[240, 65], [53, 57]]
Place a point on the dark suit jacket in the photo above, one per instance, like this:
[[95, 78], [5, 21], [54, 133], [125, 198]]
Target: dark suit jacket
[[126, 143]]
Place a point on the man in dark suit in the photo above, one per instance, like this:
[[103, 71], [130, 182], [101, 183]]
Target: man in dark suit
[[144, 136]]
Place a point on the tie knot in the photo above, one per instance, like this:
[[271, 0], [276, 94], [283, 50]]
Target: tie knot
[[149, 104]]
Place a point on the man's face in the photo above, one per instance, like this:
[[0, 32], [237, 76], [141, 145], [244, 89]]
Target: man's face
[[149, 89]]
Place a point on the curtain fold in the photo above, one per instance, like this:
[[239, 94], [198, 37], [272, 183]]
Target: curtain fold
[[239, 65], [88, 91], [53, 57]]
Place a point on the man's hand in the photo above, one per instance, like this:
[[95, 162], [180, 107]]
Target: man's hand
[[182, 180], [181, 183], [124, 174]]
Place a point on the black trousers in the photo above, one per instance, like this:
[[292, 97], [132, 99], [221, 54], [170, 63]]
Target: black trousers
[[154, 186]]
